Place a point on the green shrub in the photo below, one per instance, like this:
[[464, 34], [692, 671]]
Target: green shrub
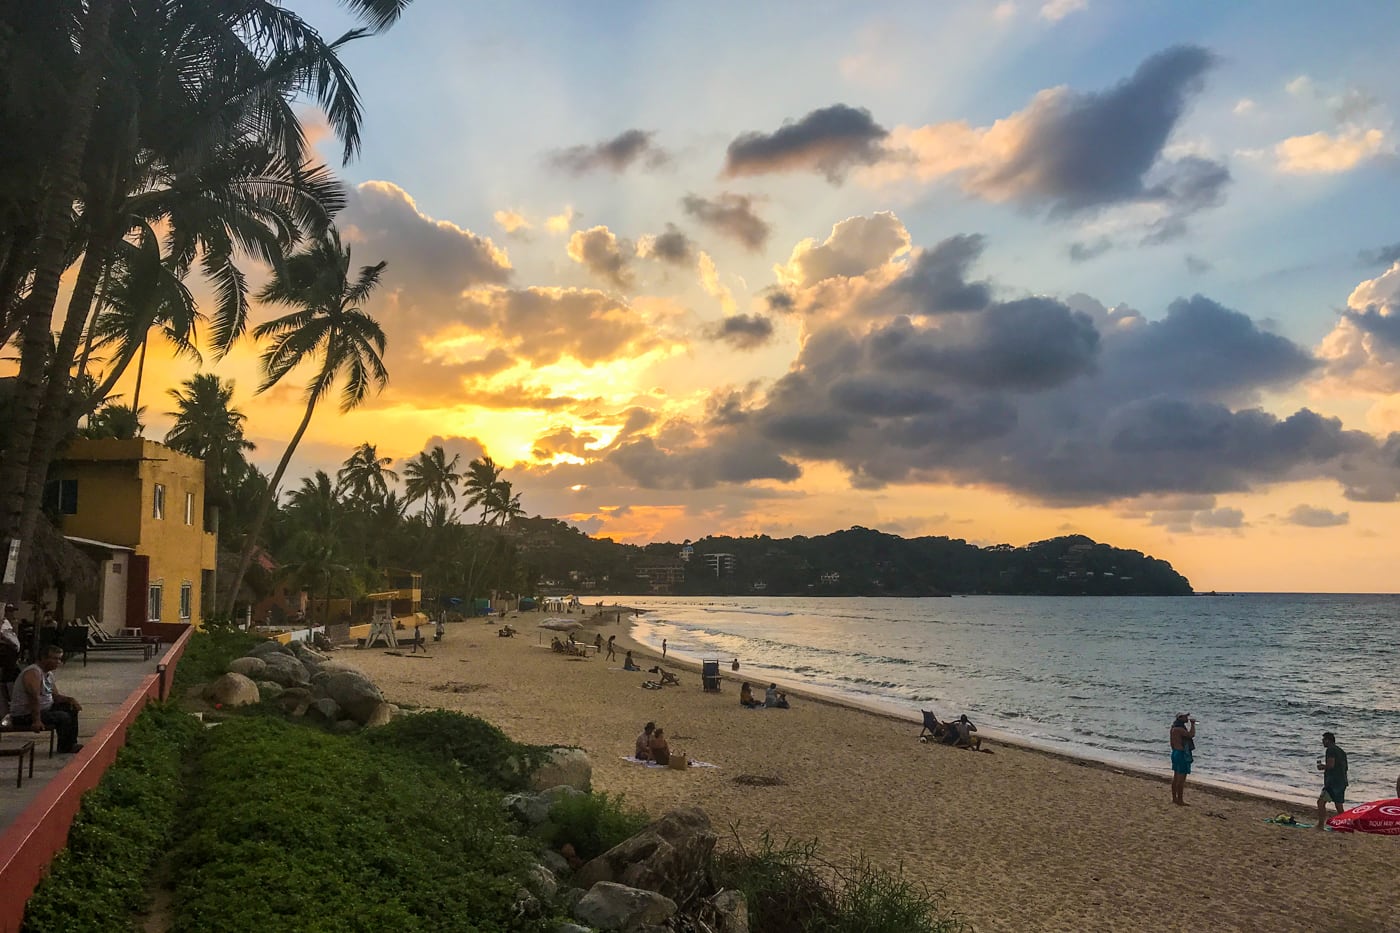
[[592, 823], [474, 745], [790, 889], [207, 655], [295, 829], [124, 826]]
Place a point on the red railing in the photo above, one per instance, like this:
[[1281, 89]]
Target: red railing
[[30, 843]]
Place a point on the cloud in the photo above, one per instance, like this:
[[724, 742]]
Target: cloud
[[1187, 521], [1196, 265], [829, 141], [672, 246], [560, 222], [855, 246], [1381, 255], [742, 331], [1093, 249], [1243, 106], [542, 325], [616, 154], [709, 281], [1362, 352], [600, 252], [730, 214], [521, 396], [1072, 153], [563, 440], [513, 222], [1056, 10], [1309, 517], [664, 462], [1328, 153]]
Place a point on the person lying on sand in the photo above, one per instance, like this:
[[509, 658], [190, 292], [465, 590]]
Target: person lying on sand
[[667, 678], [643, 749], [746, 696]]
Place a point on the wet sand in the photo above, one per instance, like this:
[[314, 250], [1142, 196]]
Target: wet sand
[[1019, 839]]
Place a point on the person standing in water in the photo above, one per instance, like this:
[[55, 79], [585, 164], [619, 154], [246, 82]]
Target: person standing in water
[[1183, 740]]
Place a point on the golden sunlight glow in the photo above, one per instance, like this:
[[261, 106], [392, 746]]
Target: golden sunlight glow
[[578, 487]]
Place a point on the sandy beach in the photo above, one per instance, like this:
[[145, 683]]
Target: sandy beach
[[1018, 839]]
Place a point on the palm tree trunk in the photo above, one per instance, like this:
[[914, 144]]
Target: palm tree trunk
[[251, 542], [140, 371], [19, 505]]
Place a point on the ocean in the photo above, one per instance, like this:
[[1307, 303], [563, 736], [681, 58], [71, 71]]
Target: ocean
[[1264, 674]]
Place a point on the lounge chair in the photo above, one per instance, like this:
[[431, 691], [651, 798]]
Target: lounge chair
[[81, 638], [931, 725]]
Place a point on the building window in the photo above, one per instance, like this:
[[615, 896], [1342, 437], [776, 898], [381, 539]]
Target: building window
[[153, 602], [61, 496], [158, 502], [189, 508], [186, 600]]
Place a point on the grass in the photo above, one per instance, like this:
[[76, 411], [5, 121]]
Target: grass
[[592, 823], [208, 653], [473, 746]]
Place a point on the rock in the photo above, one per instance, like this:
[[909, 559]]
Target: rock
[[530, 809], [379, 716], [526, 904], [308, 656], [285, 670], [567, 927], [291, 696], [556, 863], [264, 648], [667, 856], [355, 693], [609, 906], [325, 709], [567, 899], [565, 766], [269, 690], [731, 912], [331, 665], [540, 881], [249, 667], [555, 794], [232, 690], [345, 727]]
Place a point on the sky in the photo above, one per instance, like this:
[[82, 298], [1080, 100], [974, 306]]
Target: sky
[[999, 271]]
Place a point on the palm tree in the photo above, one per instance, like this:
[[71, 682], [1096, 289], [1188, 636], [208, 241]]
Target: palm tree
[[431, 477], [114, 421], [329, 324], [482, 476], [503, 504], [208, 427], [366, 475]]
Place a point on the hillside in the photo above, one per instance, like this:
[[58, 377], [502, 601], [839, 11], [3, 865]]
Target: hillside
[[855, 562]]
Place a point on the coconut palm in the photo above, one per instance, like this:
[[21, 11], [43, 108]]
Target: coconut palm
[[330, 328], [503, 504], [208, 427], [365, 475], [114, 421], [481, 479], [431, 477]]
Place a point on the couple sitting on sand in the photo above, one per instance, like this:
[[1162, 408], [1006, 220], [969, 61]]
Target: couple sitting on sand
[[772, 699], [957, 733], [651, 745]]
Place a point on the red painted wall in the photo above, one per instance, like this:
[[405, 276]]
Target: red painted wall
[[41, 831]]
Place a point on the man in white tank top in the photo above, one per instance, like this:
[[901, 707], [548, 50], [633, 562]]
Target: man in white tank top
[[36, 703]]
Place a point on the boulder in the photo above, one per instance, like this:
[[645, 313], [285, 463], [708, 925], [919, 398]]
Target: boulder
[[669, 856], [291, 696], [731, 911], [355, 693], [609, 906], [264, 648], [331, 665], [269, 690], [285, 670], [530, 809], [325, 709], [556, 863], [567, 927], [540, 881], [565, 766], [232, 690], [379, 716], [249, 667], [567, 899], [345, 727], [308, 656]]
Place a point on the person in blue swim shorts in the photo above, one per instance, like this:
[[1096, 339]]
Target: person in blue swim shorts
[[1183, 738]]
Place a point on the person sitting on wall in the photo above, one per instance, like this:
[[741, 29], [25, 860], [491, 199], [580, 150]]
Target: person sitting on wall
[[746, 697], [35, 702]]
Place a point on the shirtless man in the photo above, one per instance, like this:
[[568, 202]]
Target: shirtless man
[[1183, 738]]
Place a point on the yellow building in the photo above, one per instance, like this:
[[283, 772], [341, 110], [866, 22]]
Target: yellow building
[[138, 507]]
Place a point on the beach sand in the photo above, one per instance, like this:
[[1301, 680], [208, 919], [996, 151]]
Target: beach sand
[[1019, 840]]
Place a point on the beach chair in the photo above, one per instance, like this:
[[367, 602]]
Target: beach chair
[[931, 723], [709, 675]]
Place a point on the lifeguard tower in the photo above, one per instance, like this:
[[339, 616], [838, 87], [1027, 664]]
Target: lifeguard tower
[[381, 621]]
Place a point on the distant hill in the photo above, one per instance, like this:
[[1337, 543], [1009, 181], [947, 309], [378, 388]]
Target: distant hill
[[855, 562]]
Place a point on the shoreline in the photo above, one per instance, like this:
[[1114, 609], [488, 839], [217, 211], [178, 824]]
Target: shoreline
[[1019, 840]]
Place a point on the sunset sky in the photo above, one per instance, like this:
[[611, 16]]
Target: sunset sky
[[997, 271]]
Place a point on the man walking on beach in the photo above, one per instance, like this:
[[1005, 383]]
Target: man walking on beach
[[1334, 778], [1183, 738]]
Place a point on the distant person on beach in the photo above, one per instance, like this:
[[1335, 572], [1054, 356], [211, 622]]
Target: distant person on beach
[[663, 649], [770, 696], [1183, 742], [598, 641], [628, 664], [643, 750], [963, 729], [1334, 778], [612, 653], [735, 665], [746, 696], [783, 702], [660, 751]]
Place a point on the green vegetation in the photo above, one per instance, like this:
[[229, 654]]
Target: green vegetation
[[475, 747], [790, 889], [592, 823], [123, 828], [208, 652]]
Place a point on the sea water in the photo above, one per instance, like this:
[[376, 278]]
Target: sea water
[[1264, 674]]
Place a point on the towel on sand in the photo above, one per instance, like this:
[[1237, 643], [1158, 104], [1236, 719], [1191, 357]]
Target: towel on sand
[[652, 764], [1284, 819]]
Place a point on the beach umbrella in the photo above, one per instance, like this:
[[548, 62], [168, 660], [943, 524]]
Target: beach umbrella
[[1381, 817], [560, 625]]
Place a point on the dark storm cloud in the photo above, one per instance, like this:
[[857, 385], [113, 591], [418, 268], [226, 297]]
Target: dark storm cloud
[[1380, 256], [726, 459], [742, 331], [730, 214], [673, 247], [829, 141], [616, 154], [1309, 517], [936, 280], [1086, 150], [1083, 252]]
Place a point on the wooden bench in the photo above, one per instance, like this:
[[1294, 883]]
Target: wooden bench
[[19, 752]]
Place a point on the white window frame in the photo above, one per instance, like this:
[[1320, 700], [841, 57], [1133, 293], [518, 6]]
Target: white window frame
[[186, 600], [189, 508], [155, 598], [158, 501]]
